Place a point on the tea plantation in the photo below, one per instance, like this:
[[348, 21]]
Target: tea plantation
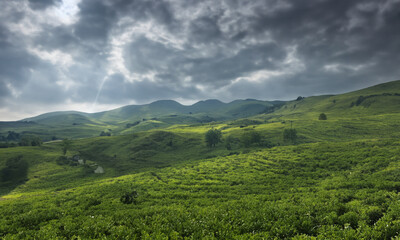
[[331, 178]]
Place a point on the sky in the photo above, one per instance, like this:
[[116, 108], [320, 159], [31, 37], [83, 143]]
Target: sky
[[95, 55]]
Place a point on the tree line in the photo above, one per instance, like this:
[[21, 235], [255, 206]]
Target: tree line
[[14, 139], [249, 138]]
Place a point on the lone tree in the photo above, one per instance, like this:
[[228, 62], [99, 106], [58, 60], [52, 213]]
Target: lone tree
[[66, 143], [290, 135], [322, 116], [213, 137]]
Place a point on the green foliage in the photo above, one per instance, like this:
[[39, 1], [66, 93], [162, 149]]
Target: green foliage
[[342, 190], [129, 198], [229, 142], [15, 170], [213, 137], [13, 136], [128, 125], [62, 160], [340, 180], [66, 144], [290, 135], [251, 137], [103, 133], [30, 140], [322, 116], [359, 100]]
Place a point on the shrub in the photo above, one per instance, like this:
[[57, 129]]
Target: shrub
[[129, 198], [62, 160]]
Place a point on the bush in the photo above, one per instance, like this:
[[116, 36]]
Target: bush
[[322, 116], [129, 198], [374, 214], [102, 134], [62, 160]]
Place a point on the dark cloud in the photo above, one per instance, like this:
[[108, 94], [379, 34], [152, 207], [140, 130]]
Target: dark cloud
[[42, 4], [141, 10], [57, 37], [120, 51], [146, 56], [15, 64], [95, 21], [116, 89], [205, 29]]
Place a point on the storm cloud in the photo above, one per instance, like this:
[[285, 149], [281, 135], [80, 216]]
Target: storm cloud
[[92, 55]]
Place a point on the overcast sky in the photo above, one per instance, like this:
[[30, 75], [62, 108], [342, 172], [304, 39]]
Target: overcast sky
[[93, 55]]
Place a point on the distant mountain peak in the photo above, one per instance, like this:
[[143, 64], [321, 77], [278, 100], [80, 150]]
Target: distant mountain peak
[[208, 101], [165, 103]]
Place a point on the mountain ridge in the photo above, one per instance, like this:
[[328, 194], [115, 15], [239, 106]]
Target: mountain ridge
[[379, 99]]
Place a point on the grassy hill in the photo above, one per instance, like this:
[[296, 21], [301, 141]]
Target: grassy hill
[[375, 100], [338, 180], [380, 99], [133, 118], [323, 190]]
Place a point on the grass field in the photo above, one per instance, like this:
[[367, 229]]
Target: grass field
[[340, 179]]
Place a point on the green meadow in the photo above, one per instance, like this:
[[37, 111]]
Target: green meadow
[[338, 178]]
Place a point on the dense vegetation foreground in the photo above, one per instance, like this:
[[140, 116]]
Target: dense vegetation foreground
[[292, 174], [326, 190]]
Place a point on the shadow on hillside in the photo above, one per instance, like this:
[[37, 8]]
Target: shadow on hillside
[[7, 187], [13, 174]]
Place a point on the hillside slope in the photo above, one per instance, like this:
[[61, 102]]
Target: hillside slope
[[380, 99], [163, 108], [369, 102], [338, 180], [318, 190]]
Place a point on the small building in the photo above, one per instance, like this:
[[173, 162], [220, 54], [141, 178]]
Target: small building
[[99, 169]]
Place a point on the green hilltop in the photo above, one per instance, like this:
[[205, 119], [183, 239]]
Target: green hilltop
[[380, 99], [339, 178]]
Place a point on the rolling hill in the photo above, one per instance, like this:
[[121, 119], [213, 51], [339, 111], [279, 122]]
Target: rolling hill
[[133, 118], [372, 101], [339, 179], [380, 99]]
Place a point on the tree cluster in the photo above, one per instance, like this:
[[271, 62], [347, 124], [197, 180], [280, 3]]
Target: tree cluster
[[30, 140], [213, 137], [251, 137], [13, 136], [103, 133]]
